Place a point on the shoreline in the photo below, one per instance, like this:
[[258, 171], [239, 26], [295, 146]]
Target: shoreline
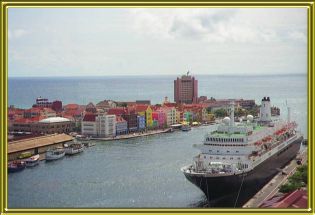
[[130, 136]]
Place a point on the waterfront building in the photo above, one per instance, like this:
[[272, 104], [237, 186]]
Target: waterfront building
[[186, 89], [23, 124], [98, 125], [188, 116], [52, 125], [170, 114], [141, 122], [88, 125], [159, 118], [106, 125], [179, 116], [141, 111], [131, 117], [121, 126], [148, 117]]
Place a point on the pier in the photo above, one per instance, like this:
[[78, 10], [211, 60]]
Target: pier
[[36, 145], [272, 187], [134, 135]]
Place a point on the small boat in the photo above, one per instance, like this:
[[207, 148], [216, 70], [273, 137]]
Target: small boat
[[74, 148], [89, 144], [186, 127], [32, 161], [25, 155], [16, 166], [54, 154]]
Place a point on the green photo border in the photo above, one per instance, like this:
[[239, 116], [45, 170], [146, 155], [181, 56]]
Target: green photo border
[[5, 5]]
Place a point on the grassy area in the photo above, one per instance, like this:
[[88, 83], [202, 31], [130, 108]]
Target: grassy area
[[296, 181]]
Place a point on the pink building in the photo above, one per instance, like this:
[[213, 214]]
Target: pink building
[[160, 117], [186, 89]]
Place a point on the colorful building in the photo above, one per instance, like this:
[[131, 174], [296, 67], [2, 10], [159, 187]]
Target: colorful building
[[148, 117], [159, 119], [170, 115], [131, 117], [121, 126], [141, 122]]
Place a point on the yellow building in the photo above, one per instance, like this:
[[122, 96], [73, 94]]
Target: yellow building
[[148, 117]]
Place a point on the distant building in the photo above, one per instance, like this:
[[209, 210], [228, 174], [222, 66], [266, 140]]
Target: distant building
[[45, 103], [106, 105], [143, 102], [90, 108], [186, 89], [56, 106]]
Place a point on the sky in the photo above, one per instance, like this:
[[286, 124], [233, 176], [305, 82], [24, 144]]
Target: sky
[[156, 41]]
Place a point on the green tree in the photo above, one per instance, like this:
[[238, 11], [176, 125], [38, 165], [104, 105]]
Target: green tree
[[220, 112]]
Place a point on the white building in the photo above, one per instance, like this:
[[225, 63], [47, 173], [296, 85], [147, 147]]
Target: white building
[[170, 113], [99, 125]]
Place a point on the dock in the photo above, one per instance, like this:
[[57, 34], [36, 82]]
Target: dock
[[272, 187], [130, 136], [36, 145]]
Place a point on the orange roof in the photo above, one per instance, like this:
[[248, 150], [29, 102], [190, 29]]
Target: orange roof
[[141, 108], [71, 106]]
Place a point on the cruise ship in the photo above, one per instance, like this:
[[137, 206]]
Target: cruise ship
[[238, 159]]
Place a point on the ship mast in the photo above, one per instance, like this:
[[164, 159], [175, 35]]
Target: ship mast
[[232, 114]]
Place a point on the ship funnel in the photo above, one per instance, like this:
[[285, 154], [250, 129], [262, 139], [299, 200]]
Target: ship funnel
[[265, 110]]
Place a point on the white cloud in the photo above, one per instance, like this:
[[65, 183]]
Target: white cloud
[[17, 33], [216, 25]]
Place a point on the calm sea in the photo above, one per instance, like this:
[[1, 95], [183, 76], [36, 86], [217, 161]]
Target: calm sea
[[143, 172]]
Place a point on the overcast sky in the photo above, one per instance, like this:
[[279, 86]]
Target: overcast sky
[[145, 41]]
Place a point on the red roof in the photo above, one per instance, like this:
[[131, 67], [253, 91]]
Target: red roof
[[141, 108], [33, 109], [116, 111], [296, 199], [168, 104], [89, 117], [71, 106]]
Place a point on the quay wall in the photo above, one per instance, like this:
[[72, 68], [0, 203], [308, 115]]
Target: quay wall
[[37, 145]]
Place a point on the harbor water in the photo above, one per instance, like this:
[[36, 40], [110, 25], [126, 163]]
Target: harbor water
[[140, 172]]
